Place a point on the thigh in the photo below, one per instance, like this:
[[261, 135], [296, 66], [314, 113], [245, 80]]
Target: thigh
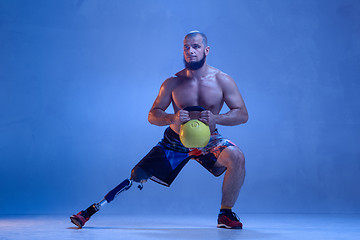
[[163, 164]]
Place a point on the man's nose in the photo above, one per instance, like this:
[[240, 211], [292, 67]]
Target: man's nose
[[191, 50]]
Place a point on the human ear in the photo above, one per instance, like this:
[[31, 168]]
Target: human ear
[[207, 50]]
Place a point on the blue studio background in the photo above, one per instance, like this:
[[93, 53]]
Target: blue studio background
[[78, 77]]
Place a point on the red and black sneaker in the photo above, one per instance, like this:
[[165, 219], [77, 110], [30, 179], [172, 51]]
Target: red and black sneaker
[[83, 216], [229, 219], [79, 219]]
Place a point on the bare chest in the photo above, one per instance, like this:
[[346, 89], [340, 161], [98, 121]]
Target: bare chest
[[206, 93]]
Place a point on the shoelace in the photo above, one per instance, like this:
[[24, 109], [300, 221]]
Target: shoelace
[[235, 217], [232, 216]]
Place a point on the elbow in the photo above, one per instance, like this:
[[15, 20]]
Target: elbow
[[151, 118], [244, 117]]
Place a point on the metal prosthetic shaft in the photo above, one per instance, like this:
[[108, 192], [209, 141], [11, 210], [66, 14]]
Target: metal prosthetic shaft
[[125, 185], [110, 196], [83, 216], [138, 175]]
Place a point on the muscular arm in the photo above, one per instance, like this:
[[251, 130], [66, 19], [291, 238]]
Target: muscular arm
[[157, 114], [238, 113]]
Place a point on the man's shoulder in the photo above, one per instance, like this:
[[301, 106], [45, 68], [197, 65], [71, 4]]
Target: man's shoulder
[[172, 81], [180, 74], [220, 75]]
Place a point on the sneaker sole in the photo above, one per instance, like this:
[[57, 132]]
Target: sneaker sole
[[220, 225], [76, 222]]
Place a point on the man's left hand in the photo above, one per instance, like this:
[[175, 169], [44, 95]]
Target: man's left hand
[[207, 117]]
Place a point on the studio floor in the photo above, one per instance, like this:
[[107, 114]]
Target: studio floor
[[256, 226]]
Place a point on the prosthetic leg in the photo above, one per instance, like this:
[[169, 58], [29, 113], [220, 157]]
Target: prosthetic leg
[[137, 175]]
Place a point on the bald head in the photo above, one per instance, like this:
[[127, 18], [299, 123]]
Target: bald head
[[194, 34]]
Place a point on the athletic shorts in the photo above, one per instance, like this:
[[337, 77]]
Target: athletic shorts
[[164, 162]]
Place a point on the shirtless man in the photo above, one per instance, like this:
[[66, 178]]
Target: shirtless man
[[198, 91]]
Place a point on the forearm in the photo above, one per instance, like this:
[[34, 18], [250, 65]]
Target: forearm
[[233, 117], [160, 118]]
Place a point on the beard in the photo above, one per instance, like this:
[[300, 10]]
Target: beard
[[195, 65]]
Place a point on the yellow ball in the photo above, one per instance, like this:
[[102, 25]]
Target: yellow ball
[[194, 134]]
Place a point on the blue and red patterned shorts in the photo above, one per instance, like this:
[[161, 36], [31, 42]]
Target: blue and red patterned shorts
[[164, 162]]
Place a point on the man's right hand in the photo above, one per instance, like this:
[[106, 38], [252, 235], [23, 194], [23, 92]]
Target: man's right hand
[[181, 116]]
